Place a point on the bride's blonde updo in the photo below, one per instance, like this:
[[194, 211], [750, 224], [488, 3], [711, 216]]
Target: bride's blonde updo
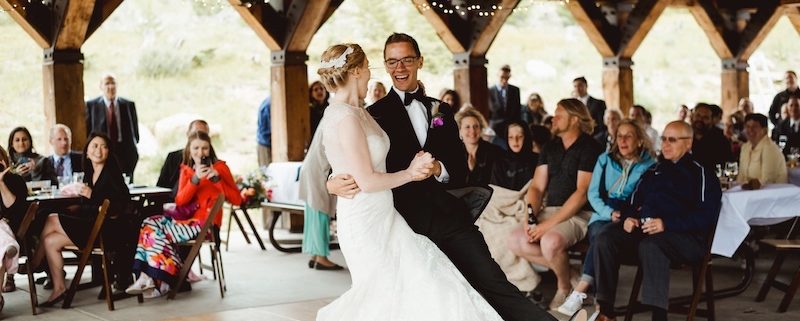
[[334, 75]]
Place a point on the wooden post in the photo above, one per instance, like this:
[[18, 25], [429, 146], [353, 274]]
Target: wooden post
[[63, 93], [287, 32], [618, 84], [735, 84], [470, 79], [291, 131]]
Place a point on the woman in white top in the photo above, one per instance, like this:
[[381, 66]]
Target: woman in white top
[[760, 158]]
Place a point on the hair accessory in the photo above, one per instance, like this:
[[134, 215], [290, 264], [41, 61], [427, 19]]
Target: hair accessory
[[339, 61]]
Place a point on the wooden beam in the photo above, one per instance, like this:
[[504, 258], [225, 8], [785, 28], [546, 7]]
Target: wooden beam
[[308, 17], [639, 23], [72, 31], [710, 20], [734, 85], [594, 24], [290, 120], [618, 83], [33, 19], [444, 27], [64, 92], [793, 13], [254, 17], [757, 29], [101, 12], [470, 81], [492, 27]]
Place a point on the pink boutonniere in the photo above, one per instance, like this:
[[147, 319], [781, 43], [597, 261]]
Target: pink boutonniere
[[438, 118]]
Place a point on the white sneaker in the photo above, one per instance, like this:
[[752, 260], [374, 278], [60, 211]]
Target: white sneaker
[[572, 304], [594, 315], [142, 284], [151, 293]]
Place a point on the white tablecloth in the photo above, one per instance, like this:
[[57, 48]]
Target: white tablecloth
[[285, 181], [772, 204], [794, 176]]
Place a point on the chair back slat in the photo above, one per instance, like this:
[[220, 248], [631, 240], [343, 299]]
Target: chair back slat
[[98, 223], [27, 219]]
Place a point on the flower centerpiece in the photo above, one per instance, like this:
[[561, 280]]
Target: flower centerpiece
[[255, 187]]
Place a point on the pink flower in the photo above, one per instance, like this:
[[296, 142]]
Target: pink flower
[[437, 121]]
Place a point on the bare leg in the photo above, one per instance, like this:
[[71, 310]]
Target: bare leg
[[554, 249], [519, 245], [54, 242], [51, 225]]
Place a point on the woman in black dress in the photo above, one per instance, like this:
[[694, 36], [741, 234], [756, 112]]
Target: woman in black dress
[[480, 154], [13, 205], [102, 180]]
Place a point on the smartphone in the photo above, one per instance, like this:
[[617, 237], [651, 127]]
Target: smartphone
[[205, 161]]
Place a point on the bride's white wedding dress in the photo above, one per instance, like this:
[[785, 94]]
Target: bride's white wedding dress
[[397, 274]]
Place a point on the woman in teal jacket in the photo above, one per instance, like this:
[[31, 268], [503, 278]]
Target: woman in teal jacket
[[614, 179]]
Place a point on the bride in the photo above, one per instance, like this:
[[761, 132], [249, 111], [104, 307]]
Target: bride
[[397, 274]]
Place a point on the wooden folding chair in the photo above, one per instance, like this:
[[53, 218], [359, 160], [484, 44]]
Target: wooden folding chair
[[84, 253], [234, 217], [701, 273], [22, 237], [201, 239], [784, 247]]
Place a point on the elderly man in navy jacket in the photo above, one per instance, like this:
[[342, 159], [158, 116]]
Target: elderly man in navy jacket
[[672, 211]]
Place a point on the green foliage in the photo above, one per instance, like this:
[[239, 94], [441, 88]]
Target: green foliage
[[158, 63]]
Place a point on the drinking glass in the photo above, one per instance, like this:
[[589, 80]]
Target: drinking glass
[[719, 170], [782, 139], [732, 170], [64, 181], [77, 177]]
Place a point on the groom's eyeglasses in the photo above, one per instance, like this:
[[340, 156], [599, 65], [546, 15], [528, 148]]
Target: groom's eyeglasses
[[407, 61]]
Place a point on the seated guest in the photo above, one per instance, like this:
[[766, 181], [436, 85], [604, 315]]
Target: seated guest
[[679, 201], [683, 113], [784, 115], [744, 108], [170, 171], [734, 132], [564, 171], [606, 136], [615, 176], [12, 209], [156, 261], [375, 91], [22, 154], [533, 113], [639, 114], [790, 127], [64, 161], [103, 180], [451, 97], [481, 155], [709, 146], [760, 159], [547, 122], [515, 167]]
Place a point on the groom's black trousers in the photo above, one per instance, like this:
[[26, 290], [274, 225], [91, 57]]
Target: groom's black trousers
[[449, 225]]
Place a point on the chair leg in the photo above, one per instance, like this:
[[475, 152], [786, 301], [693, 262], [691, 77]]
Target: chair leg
[[200, 263], [31, 283], [228, 234], [253, 228], [699, 276], [218, 267], [712, 315], [213, 264], [221, 269], [790, 292], [73, 286], [107, 279], [633, 300], [773, 271]]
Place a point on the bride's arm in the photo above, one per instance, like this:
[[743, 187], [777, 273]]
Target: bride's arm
[[356, 158]]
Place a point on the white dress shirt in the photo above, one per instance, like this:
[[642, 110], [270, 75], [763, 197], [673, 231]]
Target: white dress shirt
[[584, 100], [418, 114], [116, 115]]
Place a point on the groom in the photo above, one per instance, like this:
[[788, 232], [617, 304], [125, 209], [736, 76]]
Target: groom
[[413, 123]]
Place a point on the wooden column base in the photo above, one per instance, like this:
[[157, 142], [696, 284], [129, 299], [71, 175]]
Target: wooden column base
[[735, 84]]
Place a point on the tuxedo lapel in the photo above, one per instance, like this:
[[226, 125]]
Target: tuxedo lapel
[[403, 121]]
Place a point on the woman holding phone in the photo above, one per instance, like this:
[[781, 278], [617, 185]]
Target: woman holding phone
[[23, 157], [202, 177]]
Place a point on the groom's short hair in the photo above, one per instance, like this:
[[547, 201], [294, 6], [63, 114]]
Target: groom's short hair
[[401, 37]]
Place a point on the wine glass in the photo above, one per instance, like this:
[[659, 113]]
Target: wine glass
[[718, 170], [731, 170], [782, 139]]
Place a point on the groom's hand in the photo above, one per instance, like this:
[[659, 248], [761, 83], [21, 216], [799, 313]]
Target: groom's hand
[[434, 169], [342, 185]]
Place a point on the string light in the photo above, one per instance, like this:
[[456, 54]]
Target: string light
[[30, 4], [479, 10]]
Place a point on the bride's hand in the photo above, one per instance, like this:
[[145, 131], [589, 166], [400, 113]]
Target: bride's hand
[[421, 166]]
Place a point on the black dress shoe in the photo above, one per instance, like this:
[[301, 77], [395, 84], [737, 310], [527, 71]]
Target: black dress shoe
[[51, 303], [334, 267], [311, 263]]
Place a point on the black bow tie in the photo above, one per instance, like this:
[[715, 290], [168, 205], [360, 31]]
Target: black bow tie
[[411, 96]]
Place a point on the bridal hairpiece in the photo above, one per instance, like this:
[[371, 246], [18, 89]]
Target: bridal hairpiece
[[339, 61]]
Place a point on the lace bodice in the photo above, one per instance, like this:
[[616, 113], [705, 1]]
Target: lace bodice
[[377, 140]]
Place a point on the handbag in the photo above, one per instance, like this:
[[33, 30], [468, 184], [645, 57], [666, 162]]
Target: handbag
[[181, 212]]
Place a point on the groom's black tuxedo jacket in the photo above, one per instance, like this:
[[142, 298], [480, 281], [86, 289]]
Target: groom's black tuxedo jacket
[[425, 205]]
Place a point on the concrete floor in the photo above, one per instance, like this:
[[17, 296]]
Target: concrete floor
[[271, 283]]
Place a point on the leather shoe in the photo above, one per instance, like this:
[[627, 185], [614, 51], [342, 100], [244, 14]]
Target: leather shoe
[[51, 303], [581, 315], [311, 263], [334, 267]]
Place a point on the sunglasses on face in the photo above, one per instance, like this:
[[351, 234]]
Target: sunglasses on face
[[672, 139]]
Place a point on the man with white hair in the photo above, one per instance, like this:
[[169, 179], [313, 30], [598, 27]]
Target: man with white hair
[[64, 161]]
